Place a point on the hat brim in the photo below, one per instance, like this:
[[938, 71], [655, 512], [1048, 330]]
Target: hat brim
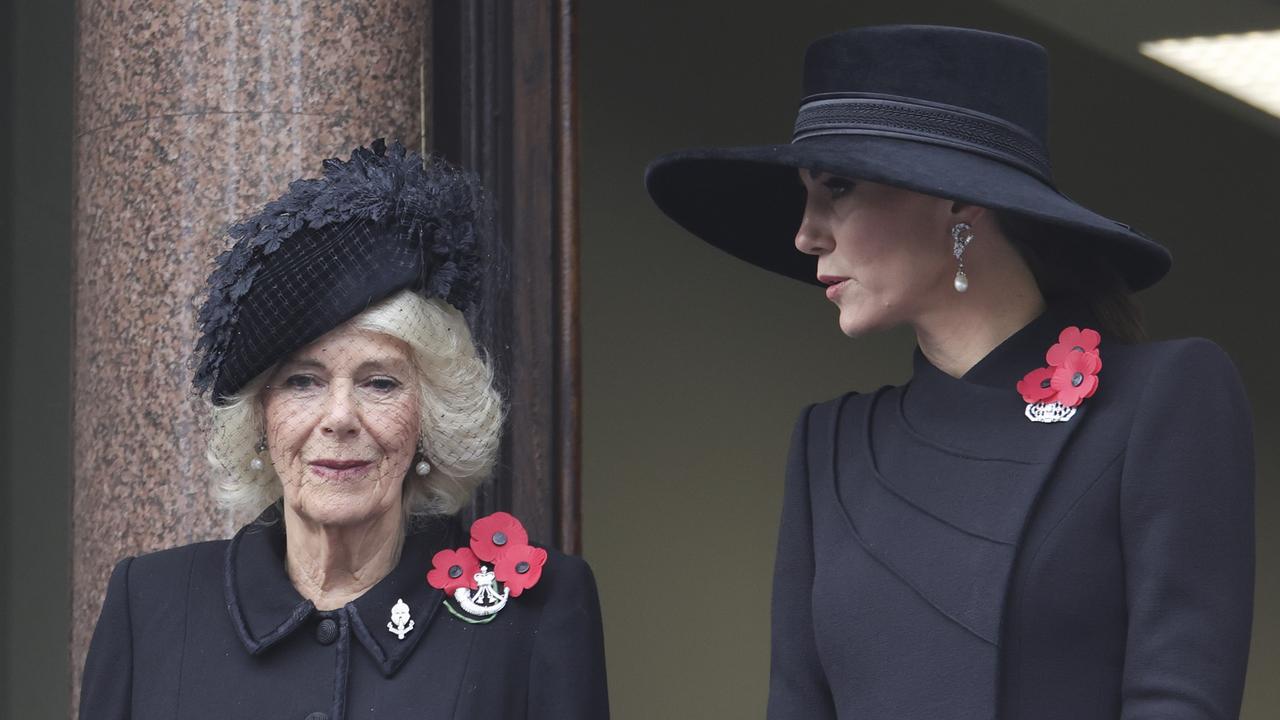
[[748, 201]]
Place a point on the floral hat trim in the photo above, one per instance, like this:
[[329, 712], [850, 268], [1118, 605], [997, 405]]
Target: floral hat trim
[[383, 186], [1053, 393], [499, 564]]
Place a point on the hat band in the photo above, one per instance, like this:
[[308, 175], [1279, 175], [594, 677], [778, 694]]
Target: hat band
[[934, 123]]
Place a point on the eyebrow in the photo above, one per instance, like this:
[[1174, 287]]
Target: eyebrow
[[376, 364]]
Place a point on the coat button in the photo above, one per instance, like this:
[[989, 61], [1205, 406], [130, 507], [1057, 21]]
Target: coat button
[[317, 716], [327, 631]]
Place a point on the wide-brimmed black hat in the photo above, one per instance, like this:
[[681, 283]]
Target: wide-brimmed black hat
[[330, 247], [950, 112]]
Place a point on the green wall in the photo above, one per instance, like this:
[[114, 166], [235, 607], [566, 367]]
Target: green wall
[[695, 365], [35, 324]]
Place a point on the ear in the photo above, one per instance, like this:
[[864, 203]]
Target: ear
[[967, 213]]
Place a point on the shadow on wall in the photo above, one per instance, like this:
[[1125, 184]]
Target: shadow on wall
[[695, 366]]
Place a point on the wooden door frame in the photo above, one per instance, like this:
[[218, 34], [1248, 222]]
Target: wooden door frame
[[502, 102]]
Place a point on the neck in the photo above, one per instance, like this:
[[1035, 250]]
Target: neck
[[960, 332], [333, 565]]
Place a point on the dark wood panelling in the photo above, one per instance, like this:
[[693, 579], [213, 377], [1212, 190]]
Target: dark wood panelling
[[503, 105]]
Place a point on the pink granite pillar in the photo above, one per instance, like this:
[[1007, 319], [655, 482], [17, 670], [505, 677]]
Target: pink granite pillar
[[190, 114]]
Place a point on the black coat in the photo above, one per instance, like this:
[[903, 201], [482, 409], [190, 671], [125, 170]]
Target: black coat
[[941, 556], [216, 630]]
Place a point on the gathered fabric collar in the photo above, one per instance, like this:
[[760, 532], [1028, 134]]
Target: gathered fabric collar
[[265, 607]]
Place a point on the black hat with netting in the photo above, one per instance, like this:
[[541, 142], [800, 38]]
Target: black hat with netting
[[383, 221]]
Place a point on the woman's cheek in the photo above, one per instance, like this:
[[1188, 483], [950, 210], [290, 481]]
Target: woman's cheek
[[397, 429]]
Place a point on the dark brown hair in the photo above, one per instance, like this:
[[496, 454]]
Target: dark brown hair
[[1067, 268]]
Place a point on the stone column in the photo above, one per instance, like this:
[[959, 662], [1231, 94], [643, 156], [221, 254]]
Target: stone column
[[189, 115]]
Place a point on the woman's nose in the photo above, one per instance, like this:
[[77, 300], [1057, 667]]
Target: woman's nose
[[339, 413], [809, 238]]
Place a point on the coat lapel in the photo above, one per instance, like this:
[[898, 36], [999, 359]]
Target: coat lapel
[[371, 612], [263, 604], [265, 608], [938, 480]]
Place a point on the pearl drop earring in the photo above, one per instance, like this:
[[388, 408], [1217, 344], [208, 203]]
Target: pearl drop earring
[[423, 467], [256, 463], [962, 235]]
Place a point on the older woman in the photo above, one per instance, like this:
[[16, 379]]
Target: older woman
[[350, 401], [1022, 530]]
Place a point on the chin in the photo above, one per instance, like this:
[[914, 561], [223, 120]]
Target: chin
[[855, 325], [340, 514], [355, 506], [863, 318]]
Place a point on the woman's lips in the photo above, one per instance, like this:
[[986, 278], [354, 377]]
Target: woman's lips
[[340, 469], [835, 287]]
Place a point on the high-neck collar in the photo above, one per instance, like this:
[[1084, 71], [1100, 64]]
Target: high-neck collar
[[1018, 354], [982, 412]]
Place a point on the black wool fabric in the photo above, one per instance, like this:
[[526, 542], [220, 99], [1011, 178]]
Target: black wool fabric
[[216, 630], [941, 556]]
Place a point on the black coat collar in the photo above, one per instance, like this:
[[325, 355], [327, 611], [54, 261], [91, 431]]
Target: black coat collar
[[981, 413], [951, 465], [265, 607]]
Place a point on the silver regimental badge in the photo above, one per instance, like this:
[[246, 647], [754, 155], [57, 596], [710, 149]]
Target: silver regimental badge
[[401, 624], [1049, 412], [485, 599], [499, 565]]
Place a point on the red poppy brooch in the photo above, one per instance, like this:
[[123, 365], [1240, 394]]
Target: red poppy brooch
[[1053, 393], [497, 566]]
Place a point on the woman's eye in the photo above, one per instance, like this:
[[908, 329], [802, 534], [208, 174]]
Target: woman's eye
[[837, 187], [300, 382], [383, 384]]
